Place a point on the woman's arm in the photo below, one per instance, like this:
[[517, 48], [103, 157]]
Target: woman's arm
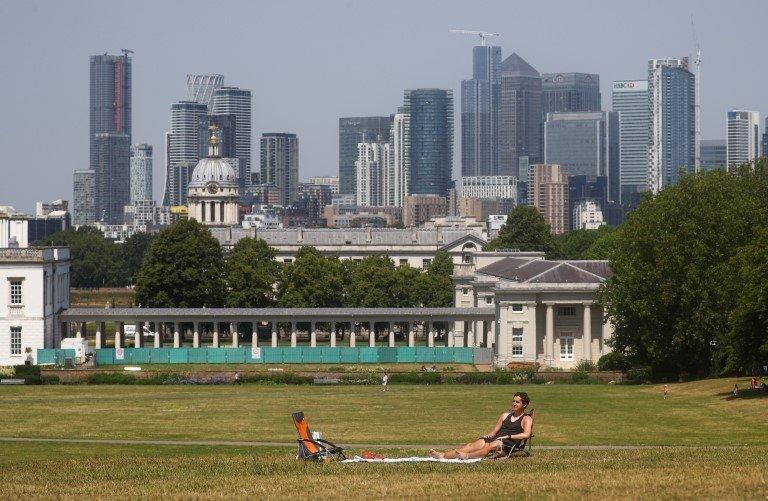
[[497, 426], [527, 427]]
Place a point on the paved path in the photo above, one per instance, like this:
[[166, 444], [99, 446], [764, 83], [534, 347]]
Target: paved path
[[347, 446]]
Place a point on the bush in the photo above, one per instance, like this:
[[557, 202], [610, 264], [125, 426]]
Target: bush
[[585, 366], [30, 373], [110, 378], [277, 378], [417, 378], [359, 379], [49, 380], [518, 376], [581, 377], [614, 361], [639, 375]]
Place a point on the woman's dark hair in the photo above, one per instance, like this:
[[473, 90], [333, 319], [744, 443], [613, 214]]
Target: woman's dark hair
[[524, 397]]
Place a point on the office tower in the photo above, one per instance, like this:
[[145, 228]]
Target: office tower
[[280, 164], [112, 176], [238, 102], [585, 143], [430, 126], [520, 121], [141, 172], [672, 121], [569, 92], [548, 193], [353, 130], [399, 169], [714, 154], [371, 173], [226, 130], [200, 88], [480, 101], [743, 136], [630, 101], [764, 140], [331, 182], [84, 197], [182, 149], [110, 127]]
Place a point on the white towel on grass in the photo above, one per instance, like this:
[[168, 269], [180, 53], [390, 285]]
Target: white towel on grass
[[358, 459]]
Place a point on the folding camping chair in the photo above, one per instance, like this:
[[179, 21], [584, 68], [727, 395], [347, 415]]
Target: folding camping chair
[[314, 449], [510, 448]]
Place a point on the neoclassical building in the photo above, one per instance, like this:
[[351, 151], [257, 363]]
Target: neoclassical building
[[546, 311], [212, 193]]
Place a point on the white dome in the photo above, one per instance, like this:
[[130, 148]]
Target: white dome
[[213, 170]]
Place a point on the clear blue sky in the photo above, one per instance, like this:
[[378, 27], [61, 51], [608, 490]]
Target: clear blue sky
[[310, 62]]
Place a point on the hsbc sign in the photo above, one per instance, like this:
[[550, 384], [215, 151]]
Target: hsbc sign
[[630, 85]]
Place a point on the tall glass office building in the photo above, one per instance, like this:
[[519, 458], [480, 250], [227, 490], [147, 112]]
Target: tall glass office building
[[520, 120], [430, 114], [280, 164], [570, 92], [353, 130], [743, 135], [480, 101], [585, 144], [183, 145], [141, 172], [714, 154], [630, 101], [237, 102], [112, 176]]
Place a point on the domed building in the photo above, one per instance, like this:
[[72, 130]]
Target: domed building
[[212, 192]]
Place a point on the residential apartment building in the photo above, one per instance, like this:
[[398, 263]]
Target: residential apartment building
[[548, 193]]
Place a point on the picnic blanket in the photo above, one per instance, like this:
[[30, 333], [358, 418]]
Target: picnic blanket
[[414, 459]]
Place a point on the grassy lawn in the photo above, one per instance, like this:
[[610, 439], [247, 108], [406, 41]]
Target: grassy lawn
[[697, 414]]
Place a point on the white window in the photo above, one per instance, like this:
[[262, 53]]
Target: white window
[[16, 292], [516, 307], [15, 340], [517, 341], [566, 311], [566, 346]]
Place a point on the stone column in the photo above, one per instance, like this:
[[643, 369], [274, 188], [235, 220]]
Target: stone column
[[294, 334], [411, 334], [333, 334], [391, 328], [489, 334], [313, 335], [352, 339], [196, 336], [451, 339], [176, 335], [607, 334], [273, 326], [430, 334], [587, 331], [158, 336], [470, 339], [549, 340], [80, 329], [215, 334], [372, 334], [99, 341], [138, 334], [254, 339], [119, 335], [235, 337]]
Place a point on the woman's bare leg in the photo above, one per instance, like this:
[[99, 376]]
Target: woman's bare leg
[[471, 447]]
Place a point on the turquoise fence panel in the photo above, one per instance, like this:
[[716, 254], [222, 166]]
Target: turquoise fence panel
[[405, 354], [272, 355], [330, 355], [197, 356], [387, 355], [140, 355], [216, 355], [179, 356], [424, 354], [349, 355], [249, 358], [105, 357], [464, 355], [443, 354], [160, 356], [46, 356], [311, 355], [369, 355], [292, 355], [236, 355]]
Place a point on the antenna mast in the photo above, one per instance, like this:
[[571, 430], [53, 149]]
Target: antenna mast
[[482, 34], [697, 97]]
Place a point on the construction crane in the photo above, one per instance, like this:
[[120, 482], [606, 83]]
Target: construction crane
[[482, 34], [697, 97], [126, 52]]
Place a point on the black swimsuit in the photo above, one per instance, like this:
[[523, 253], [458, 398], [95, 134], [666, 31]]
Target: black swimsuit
[[508, 427]]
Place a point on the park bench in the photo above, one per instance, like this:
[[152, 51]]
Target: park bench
[[12, 381]]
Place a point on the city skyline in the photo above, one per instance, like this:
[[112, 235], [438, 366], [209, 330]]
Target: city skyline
[[434, 58]]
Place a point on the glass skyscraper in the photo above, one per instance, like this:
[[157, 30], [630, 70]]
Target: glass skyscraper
[[714, 154], [112, 173], [520, 120], [480, 101], [353, 130], [280, 164], [238, 102], [141, 172], [84, 197], [430, 113], [743, 136], [630, 101], [183, 145], [570, 92]]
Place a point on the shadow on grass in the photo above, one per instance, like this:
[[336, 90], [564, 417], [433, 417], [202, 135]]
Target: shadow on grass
[[746, 394]]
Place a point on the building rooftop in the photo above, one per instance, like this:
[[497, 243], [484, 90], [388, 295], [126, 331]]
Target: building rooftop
[[539, 271], [33, 254]]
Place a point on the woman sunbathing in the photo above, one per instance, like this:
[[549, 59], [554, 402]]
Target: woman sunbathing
[[515, 425]]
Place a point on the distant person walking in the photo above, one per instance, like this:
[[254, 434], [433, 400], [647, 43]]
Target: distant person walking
[[236, 379], [666, 391], [384, 382], [736, 390]]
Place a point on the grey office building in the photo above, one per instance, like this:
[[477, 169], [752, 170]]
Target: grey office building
[[112, 187], [570, 92], [84, 197], [430, 113], [238, 102], [480, 102], [141, 172], [714, 154], [353, 130], [183, 145], [280, 164], [520, 120], [630, 101], [585, 144]]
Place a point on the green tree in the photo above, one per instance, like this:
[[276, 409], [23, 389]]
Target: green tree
[[582, 244], [183, 268], [251, 274], [672, 289], [312, 281], [133, 250], [435, 284], [376, 282], [525, 230]]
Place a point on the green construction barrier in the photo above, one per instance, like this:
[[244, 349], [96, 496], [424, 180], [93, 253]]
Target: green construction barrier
[[272, 355], [406, 354], [160, 356], [424, 354], [197, 356], [54, 355], [250, 360], [179, 356], [292, 355], [369, 355], [105, 357], [138, 356], [349, 355], [236, 355], [464, 355], [311, 356], [387, 355], [443, 355], [330, 355], [216, 355]]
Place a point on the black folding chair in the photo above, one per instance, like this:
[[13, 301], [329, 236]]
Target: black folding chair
[[314, 449]]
